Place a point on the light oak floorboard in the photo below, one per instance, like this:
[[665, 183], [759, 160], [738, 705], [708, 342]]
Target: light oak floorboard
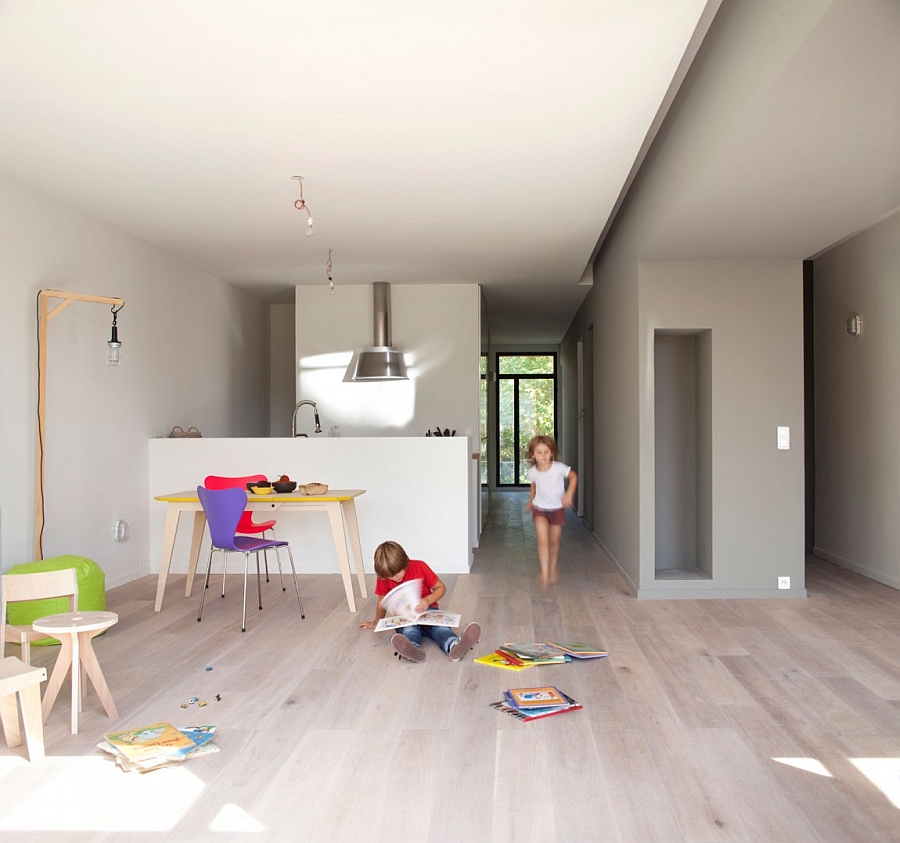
[[716, 720]]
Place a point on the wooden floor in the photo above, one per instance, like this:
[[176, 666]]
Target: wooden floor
[[740, 720]]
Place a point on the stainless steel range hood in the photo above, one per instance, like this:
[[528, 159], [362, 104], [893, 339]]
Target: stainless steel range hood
[[379, 362]]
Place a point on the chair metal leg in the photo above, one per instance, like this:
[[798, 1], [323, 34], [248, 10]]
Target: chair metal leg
[[258, 585], [206, 582], [244, 615], [296, 587], [277, 560]]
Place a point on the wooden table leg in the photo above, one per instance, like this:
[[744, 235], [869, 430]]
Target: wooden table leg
[[31, 719], [60, 669], [340, 545], [168, 544], [92, 668], [9, 716], [349, 510], [196, 539]]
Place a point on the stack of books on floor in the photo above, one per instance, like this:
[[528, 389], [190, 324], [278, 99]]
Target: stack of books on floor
[[522, 656], [158, 745], [527, 704]]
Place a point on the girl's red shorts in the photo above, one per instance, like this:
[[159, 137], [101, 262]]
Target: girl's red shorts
[[553, 516]]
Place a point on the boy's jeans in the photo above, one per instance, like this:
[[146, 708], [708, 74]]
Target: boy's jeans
[[444, 636]]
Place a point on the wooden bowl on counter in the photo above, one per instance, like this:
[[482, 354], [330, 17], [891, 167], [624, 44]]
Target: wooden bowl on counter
[[314, 488]]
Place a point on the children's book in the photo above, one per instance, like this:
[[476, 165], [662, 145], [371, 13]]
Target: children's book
[[537, 653], [546, 696], [401, 601], [578, 650], [433, 617], [199, 737], [504, 707], [500, 660], [155, 739]]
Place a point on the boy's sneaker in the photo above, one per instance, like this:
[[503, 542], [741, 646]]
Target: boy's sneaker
[[406, 649], [467, 641]]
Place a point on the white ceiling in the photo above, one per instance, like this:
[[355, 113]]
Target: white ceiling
[[478, 142]]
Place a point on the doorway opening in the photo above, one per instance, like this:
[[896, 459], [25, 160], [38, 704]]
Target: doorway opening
[[526, 407]]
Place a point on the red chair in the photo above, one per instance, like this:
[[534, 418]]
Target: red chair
[[247, 526]]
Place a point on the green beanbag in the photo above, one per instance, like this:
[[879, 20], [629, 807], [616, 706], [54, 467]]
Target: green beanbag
[[91, 592]]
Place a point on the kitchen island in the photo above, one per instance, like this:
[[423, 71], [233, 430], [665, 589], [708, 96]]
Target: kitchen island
[[417, 493]]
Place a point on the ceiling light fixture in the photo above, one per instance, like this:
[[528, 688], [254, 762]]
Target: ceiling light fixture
[[328, 273], [300, 205]]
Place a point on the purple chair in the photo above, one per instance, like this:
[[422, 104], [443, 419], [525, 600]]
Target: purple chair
[[223, 508]]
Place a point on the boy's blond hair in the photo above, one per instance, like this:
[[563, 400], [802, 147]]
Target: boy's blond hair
[[549, 441], [390, 560]]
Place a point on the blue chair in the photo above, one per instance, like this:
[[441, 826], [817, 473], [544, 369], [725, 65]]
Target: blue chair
[[224, 508]]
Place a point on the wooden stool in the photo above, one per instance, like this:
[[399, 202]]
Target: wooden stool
[[75, 631], [18, 678]]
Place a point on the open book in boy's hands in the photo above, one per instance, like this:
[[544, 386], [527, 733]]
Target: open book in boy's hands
[[400, 605]]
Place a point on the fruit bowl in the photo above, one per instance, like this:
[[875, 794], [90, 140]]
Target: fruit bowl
[[253, 483], [285, 486], [261, 490]]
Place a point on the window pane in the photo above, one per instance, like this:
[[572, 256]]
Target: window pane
[[535, 414], [506, 431], [520, 364]]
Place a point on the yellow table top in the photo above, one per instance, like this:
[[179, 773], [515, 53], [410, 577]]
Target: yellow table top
[[190, 496]]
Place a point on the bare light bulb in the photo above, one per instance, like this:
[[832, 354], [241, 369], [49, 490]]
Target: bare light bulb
[[309, 227]]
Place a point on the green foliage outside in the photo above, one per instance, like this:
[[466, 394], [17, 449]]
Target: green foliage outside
[[536, 410]]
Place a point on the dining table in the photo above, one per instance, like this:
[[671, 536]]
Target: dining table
[[338, 504]]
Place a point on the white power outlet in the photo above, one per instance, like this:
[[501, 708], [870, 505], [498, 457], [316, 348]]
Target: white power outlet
[[784, 582]]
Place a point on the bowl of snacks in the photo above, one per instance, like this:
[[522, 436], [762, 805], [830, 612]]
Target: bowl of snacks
[[284, 484]]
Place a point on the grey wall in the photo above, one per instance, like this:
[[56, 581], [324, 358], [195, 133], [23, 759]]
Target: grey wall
[[857, 403], [754, 312]]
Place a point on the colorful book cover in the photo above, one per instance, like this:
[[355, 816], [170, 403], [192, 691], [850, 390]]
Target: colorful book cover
[[497, 660], [536, 652], [545, 696], [535, 714], [155, 739], [578, 650]]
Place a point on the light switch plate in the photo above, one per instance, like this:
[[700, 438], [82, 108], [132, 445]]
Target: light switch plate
[[784, 438]]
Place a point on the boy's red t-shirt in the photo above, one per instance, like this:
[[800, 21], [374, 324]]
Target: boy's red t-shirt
[[416, 570]]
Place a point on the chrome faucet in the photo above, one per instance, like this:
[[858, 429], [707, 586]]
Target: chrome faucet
[[294, 433]]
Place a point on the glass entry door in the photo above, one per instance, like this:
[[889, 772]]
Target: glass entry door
[[526, 407]]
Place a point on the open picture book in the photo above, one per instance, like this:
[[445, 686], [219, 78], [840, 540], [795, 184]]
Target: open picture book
[[400, 605]]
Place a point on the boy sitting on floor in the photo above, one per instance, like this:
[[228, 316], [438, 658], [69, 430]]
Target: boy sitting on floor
[[393, 566]]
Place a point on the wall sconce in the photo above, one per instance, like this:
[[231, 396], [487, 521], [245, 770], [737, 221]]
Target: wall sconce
[[114, 347], [854, 325]]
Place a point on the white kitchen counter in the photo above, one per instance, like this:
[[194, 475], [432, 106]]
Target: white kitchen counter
[[417, 492]]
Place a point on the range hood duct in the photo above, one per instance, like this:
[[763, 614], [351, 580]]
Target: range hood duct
[[379, 362]]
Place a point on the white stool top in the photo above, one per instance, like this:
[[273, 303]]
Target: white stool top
[[75, 622]]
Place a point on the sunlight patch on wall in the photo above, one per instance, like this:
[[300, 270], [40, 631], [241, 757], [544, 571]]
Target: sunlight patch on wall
[[884, 773], [233, 818], [375, 406], [93, 794], [811, 765]]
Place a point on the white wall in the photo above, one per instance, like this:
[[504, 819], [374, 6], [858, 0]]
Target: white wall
[[194, 350], [282, 368], [437, 328], [857, 404]]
